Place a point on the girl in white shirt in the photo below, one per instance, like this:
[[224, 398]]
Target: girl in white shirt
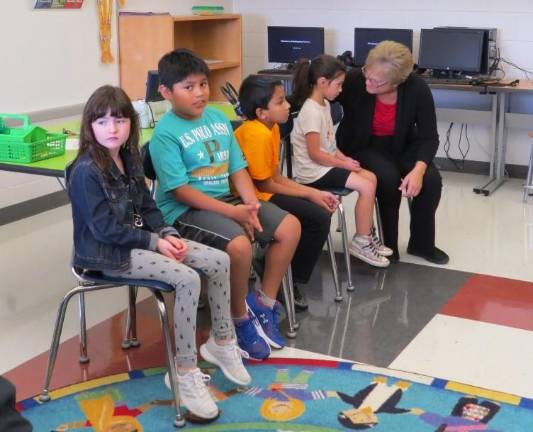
[[320, 164]]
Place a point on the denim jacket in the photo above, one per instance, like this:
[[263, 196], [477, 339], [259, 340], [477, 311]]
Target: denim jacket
[[103, 212]]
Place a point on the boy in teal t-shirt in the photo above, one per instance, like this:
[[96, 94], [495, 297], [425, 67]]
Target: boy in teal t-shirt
[[201, 153], [195, 154]]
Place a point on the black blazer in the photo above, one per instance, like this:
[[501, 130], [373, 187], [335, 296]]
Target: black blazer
[[415, 138]]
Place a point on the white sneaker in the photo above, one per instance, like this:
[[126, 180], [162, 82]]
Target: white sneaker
[[194, 394], [380, 247], [362, 247], [228, 358]]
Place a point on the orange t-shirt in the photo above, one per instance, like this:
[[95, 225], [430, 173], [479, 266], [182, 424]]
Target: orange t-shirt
[[260, 146]]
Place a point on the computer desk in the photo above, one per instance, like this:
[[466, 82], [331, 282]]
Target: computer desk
[[497, 117]]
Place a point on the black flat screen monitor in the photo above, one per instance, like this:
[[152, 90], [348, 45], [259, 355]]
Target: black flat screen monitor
[[289, 44], [454, 50], [486, 37], [152, 87], [367, 38]]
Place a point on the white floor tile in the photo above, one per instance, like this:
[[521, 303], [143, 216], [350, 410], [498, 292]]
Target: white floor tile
[[472, 352], [491, 235]]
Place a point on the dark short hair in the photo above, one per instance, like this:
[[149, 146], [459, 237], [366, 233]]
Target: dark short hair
[[177, 65], [256, 92]]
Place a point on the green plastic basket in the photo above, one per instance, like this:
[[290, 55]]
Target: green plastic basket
[[28, 143]]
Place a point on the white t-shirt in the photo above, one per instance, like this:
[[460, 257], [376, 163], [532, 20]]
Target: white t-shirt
[[313, 117]]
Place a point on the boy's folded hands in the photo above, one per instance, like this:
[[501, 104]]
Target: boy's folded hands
[[246, 215]]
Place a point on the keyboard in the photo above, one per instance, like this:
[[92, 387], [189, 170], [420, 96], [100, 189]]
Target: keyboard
[[456, 81], [275, 72]]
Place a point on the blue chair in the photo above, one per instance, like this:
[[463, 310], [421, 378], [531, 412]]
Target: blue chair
[[95, 281]]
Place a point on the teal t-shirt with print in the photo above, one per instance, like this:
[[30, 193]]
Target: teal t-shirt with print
[[201, 153]]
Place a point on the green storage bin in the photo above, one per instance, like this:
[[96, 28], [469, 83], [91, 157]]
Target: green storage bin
[[28, 143]]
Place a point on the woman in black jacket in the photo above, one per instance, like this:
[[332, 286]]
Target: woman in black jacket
[[390, 127]]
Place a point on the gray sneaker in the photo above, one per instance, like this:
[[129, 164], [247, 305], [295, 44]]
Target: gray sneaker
[[362, 247], [378, 244]]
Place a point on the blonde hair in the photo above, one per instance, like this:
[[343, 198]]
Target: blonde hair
[[396, 59]]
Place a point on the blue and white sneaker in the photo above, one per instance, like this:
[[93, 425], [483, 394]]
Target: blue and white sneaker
[[249, 341], [265, 321]]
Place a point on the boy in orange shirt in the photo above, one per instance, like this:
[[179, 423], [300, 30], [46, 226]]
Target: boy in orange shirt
[[263, 102]]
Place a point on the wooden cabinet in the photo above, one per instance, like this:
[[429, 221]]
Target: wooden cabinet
[[143, 39]]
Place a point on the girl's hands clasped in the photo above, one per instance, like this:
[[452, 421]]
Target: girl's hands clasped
[[172, 247]]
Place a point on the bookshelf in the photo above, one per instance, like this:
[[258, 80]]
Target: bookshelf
[[144, 38]]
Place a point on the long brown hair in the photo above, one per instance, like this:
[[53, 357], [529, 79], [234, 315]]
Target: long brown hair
[[116, 101], [307, 73]]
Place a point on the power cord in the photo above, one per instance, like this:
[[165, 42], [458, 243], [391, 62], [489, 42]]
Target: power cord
[[499, 59], [446, 147]]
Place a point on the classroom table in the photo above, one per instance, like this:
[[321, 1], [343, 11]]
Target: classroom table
[[55, 167]]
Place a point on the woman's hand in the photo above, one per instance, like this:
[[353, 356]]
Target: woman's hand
[[412, 182]]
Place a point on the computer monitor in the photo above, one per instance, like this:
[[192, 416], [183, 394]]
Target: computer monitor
[[367, 38], [152, 87], [488, 33], [289, 44], [448, 51]]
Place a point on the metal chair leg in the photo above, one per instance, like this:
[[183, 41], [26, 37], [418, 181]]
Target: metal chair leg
[[54, 347], [345, 246], [528, 187], [130, 338], [334, 271], [339, 220], [179, 421], [84, 358], [378, 221], [288, 294]]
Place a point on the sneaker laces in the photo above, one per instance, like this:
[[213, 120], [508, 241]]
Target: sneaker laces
[[200, 380], [234, 351], [371, 248], [375, 239]]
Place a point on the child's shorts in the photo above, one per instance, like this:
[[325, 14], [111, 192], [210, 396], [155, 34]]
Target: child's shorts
[[216, 230], [334, 178]]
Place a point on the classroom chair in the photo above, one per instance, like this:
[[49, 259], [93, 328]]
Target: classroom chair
[[286, 153], [94, 281], [287, 285]]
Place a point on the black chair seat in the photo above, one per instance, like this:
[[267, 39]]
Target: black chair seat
[[339, 191]]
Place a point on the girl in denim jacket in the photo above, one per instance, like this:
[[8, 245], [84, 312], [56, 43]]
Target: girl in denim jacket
[[119, 231]]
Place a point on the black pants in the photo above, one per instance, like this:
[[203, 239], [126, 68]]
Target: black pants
[[315, 223], [389, 170]]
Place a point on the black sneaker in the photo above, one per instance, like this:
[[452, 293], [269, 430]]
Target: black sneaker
[[436, 256], [300, 303]]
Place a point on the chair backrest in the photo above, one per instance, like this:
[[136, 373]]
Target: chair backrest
[[148, 167]]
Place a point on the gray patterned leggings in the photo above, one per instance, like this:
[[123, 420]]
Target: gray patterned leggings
[[212, 263]]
